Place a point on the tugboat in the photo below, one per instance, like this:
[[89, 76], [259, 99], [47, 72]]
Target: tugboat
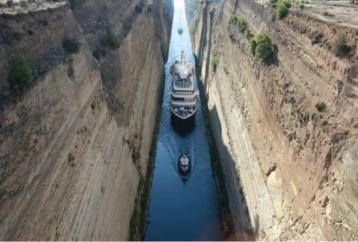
[[180, 30], [184, 92], [184, 166]]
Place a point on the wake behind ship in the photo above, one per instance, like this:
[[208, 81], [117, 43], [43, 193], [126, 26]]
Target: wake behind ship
[[184, 92]]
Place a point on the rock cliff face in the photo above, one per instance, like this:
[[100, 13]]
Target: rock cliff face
[[291, 171], [74, 147]]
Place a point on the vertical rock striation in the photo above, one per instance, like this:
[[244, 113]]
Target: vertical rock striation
[[74, 147], [290, 169]]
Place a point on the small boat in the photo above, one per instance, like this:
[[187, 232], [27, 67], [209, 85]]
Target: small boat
[[184, 166], [180, 30]]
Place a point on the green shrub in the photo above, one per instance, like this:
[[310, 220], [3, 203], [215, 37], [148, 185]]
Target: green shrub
[[98, 53], [240, 22], [110, 40], [253, 45], [282, 10], [138, 8], [234, 19], [321, 106], [301, 6], [70, 157], [264, 49], [341, 48], [273, 2], [226, 70], [20, 74], [71, 45], [316, 37], [214, 64], [248, 34], [287, 3]]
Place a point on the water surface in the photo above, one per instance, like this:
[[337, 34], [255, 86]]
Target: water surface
[[182, 210]]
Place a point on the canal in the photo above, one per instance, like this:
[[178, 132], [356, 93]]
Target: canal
[[178, 209]]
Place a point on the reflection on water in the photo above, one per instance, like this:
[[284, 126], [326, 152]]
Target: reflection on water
[[182, 209]]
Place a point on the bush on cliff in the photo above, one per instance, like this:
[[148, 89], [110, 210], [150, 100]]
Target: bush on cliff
[[282, 8], [262, 48], [71, 45], [139, 8], [240, 22], [109, 39], [214, 64], [321, 106], [341, 47], [281, 11], [20, 74], [316, 37], [248, 34], [253, 46]]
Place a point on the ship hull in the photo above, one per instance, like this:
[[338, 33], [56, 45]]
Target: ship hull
[[182, 126]]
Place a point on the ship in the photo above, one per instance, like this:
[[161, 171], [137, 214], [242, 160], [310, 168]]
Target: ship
[[184, 91], [184, 166]]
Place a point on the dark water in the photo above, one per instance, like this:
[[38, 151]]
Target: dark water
[[182, 210]]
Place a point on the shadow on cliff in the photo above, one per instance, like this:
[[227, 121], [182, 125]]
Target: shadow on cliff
[[234, 211], [233, 200]]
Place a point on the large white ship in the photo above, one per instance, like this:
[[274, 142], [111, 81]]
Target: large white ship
[[184, 91]]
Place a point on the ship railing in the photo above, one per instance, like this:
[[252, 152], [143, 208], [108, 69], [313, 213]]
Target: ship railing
[[183, 103]]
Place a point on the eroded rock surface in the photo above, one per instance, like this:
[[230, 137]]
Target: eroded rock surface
[[293, 166], [74, 147]]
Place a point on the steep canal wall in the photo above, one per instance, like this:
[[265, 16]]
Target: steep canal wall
[[75, 144], [290, 169]]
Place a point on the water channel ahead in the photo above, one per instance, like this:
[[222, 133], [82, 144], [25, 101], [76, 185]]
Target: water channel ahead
[[182, 210]]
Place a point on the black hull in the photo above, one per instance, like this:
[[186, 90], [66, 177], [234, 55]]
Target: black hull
[[184, 174], [183, 126]]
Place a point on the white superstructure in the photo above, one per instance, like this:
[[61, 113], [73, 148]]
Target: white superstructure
[[184, 92]]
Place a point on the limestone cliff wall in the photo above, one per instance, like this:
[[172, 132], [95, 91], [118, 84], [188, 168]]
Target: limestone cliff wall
[[290, 170], [74, 147]]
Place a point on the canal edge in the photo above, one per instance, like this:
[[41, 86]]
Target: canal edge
[[139, 217], [227, 220]]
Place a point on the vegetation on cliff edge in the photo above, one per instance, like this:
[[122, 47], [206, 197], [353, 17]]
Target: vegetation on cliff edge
[[248, 34], [109, 39], [282, 8], [316, 37], [320, 106], [341, 47], [214, 64], [240, 22], [20, 74], [262, 48], [71, 45]]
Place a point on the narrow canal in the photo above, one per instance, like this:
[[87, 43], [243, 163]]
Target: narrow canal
[[182, 210]]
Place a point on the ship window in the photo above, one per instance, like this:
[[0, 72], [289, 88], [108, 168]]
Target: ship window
[[178, 99]]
